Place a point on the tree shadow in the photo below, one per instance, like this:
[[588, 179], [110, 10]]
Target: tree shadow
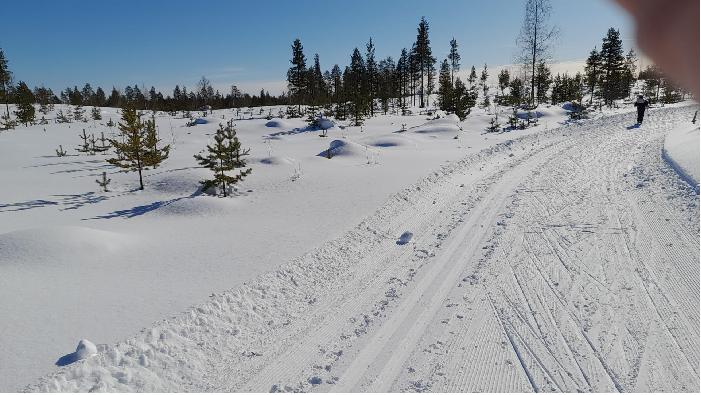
[[26, 205], [141, 210], [81, 162], [67, 359], [77, 201]]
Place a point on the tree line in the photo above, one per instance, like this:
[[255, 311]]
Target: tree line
[[369, 86]]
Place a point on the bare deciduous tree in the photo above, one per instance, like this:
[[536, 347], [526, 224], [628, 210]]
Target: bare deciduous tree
[[536, 37]]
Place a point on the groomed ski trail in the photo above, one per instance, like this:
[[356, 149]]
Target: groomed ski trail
[[561, 261]]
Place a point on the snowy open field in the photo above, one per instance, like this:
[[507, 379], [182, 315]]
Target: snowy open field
[[563, 257]]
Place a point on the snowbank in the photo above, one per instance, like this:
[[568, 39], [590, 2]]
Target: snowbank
[[681, 151]]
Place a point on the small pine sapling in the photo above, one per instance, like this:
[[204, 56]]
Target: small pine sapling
[[85, 146], [110, 124], [513, 119], [270, 115], [96, 114], [43, 121], [493, 125], [79, 113], [138, 151], [60, 151], [224, 156], [104, 182], [104, 144], [7, 122]]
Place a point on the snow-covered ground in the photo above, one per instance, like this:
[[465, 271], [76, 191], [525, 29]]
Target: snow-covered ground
[[559, 257]]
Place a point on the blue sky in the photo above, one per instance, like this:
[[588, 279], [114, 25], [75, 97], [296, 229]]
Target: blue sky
[[248, 43]]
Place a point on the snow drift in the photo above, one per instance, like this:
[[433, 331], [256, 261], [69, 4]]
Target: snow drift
[[681, 151]]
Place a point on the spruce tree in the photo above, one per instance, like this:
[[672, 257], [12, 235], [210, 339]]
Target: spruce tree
[[504, 79], [592, 71], [225, 156], [95, 113], [139, 149], [543, 79], [445, 88], [424, 60], [296, 78], [372, 75], [25, 104], [79, 113], [472, 78], [483, 83], [5, 81], [629, 69]]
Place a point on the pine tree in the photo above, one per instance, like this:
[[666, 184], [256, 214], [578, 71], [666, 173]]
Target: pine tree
[[85, 146], [100, 98], [424, 60], [225, 156], [95, 113], [516, 95], [629, 69], [445, 88], [5, 81], [612, 67], [105, 181], [356, 87], [504, 79], [485, 87], [25, 104], [79, 113], [154, 155], [296, 79], [592, 71], [472, 78], [543, 79], [372, 75], [139, 150], [403, 75]]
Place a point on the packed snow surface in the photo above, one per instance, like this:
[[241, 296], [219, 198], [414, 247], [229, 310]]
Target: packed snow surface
[[559, 258]]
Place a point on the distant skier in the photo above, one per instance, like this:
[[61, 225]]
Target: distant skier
[[641, 104]]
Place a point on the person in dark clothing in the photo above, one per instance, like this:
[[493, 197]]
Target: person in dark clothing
[[641, 104]]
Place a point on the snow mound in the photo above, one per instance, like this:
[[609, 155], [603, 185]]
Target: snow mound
[[85, 349], [274, 160], [56, 244], [345, 148], [326, 123], [681, 151], [388, 141], [444, 127], [278, 124]]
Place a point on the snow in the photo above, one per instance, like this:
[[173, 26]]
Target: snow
[[85, 349], [681, 150], [339, 274]]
